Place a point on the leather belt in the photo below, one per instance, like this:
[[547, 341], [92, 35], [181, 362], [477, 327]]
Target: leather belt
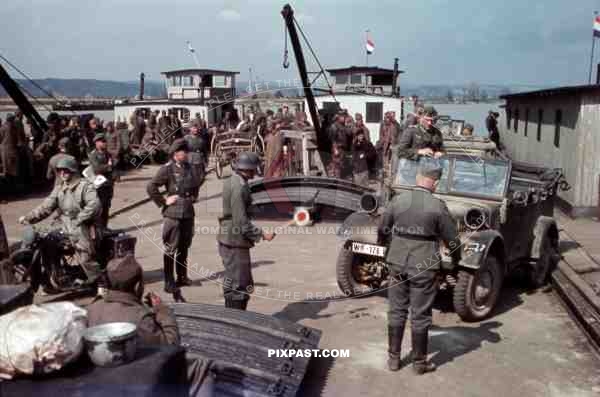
[[417, 237]]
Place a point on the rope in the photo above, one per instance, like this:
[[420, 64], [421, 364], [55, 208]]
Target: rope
[[316, 59]]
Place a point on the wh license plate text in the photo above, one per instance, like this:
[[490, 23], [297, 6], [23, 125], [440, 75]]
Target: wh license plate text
[[368, 249]]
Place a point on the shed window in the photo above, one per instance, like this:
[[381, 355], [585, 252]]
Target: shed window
[[508, 118], [539, 125], [516, 124], [341, 79], [526, 121], [356, 79], [374, 112], [557, 123]]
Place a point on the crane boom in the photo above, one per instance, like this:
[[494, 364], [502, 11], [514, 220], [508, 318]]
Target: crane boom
[[288, 16], [13, 90]]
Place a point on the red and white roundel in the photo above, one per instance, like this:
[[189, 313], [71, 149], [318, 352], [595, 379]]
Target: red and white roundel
[[302, 217]]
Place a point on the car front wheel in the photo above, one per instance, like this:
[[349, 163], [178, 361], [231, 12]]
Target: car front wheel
[[476, 292]]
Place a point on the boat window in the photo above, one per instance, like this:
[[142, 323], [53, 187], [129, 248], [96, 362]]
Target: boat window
[[374, 112], [516, 125], [557, 123], [526, 121], [539, 125], [356, 79], [341, 79], [219, 81], [189, 81]]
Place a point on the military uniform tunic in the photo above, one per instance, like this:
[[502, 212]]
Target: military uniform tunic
[[237, 234], [417, 137], [100, 165], [178, 226], [79, 208], [412, 225], [196, 148]]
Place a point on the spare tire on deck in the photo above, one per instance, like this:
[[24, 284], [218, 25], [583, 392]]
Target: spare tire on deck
[[236, 344]]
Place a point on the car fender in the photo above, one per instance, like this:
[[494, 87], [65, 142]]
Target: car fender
[[478, 245], [360, 227], [543, 226]]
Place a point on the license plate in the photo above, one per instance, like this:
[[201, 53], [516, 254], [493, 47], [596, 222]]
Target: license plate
[[368, 249]]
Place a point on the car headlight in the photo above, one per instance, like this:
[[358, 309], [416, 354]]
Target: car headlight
[[475, 218], [369, 203]]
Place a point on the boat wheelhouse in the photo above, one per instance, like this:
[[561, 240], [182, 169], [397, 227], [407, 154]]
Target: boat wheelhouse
[[209, 92]]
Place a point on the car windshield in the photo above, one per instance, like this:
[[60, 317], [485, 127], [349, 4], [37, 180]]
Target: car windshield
[[468, 175]]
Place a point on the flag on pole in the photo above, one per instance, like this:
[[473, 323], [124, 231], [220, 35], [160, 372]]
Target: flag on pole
[[190, 47], [370, 46], [597, 26]]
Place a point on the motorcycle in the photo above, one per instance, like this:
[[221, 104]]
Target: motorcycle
[[47, 258]]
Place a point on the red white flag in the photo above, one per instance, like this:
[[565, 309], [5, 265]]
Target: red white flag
[[597, 26], [370, 46]]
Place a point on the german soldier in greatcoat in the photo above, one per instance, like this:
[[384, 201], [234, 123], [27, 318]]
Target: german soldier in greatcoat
[[237, 234], [411, 226], [178, 212]]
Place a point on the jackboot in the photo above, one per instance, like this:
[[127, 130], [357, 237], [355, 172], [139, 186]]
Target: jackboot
[[168, 268], [419, 353], [395, 335], [181, 270], [244, 304], [228, 302]]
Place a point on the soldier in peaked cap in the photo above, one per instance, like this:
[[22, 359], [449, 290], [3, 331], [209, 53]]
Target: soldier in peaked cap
[[178, 212], [412, 226], [101, 163], [423, 139], [237, 234]]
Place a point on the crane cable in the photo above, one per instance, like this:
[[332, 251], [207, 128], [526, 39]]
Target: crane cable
[[286, 62], [29, 79], [316, 59]]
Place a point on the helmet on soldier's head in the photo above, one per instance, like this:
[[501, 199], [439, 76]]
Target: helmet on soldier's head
[[247, 161], [68, 164], [429, 111]]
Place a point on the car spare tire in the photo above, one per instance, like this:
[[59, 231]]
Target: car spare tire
[[348, 275]]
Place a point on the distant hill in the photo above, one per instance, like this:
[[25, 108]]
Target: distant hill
[[126, 89], [84, 87]]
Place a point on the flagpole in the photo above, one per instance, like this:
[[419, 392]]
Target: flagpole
[[592, 54], [367, 51]]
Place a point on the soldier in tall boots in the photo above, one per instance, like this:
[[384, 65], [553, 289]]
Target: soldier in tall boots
[[178, 212], [237, 234], [102, 164], [412, 225]]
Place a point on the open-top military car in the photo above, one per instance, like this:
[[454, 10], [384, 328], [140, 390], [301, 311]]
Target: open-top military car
[[503, 212]]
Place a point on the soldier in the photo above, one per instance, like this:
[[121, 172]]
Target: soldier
[[9, 150], [102, 164], [196, 146], [363, 156], [359, 126], [63, 148], [468, 130], [123, 303], [178, 212], [491, 123], [237, 234], [79, 208], [412, 225], [422, 140]]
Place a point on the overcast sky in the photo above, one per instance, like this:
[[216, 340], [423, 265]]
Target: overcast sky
[[537, 42]]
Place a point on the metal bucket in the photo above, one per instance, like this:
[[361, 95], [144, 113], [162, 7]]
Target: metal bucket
[[111, 344]]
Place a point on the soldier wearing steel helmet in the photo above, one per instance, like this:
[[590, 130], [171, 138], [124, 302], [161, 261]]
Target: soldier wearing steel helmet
[[77, 202], [178, 213], [237, 234], [63, 147], [423, 139]]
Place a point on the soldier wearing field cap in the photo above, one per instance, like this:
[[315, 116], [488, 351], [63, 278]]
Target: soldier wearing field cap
[[237, 234], [423, 139], [101, 162], [178, 212], [123, 303], [197, 148], [411, 227]]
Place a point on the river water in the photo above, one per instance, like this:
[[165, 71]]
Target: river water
[[473, 113]]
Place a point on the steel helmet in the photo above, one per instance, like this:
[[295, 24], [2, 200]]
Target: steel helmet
[[247, 161], [67, 163]]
